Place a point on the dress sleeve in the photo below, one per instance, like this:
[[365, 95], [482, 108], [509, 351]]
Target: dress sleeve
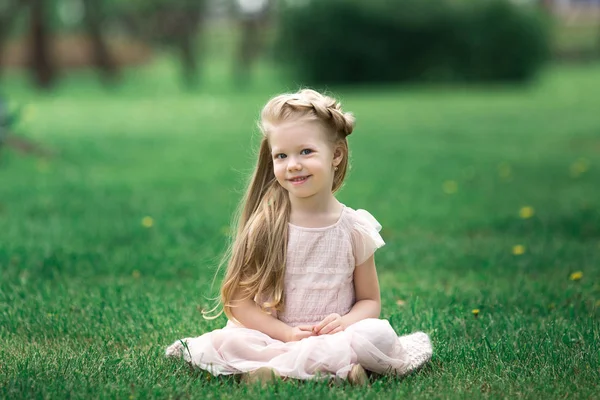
[[365, 236]]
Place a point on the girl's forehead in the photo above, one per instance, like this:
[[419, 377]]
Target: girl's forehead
[[290, 134]]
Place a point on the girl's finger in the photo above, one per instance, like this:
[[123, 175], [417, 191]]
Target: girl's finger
[[321, 324], [336, 330], [306, 328], [329, 327]]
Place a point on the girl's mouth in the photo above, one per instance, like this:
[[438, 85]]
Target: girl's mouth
[[299, 180]]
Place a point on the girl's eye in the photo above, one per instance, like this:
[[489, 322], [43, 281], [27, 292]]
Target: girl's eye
[[306, 151], [280, 156]]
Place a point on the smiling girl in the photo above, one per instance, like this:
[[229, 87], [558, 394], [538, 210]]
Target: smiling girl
[[301, 289]]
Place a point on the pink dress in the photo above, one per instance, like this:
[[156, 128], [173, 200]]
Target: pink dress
[[318, 282]]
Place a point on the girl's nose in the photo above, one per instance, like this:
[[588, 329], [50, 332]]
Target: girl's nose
[[294, 165]]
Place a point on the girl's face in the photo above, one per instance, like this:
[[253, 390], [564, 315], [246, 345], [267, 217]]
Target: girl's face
[[304, 159]]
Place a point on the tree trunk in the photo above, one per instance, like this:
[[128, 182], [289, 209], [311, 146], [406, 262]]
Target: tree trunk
[[547, 5], [252, 25], [102, 57], [598, 40], [41, 59], [7, 20], [189, 62], [182, 29], [248, 49]]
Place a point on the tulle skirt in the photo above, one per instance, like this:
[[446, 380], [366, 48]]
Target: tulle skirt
[[371, 343]]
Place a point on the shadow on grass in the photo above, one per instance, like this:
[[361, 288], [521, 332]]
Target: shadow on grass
[[375, 380]]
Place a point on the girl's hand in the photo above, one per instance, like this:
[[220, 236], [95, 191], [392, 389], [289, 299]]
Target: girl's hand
[[298, 333], [333, 323]]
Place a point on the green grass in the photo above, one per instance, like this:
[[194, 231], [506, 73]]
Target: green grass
[[89, 298]]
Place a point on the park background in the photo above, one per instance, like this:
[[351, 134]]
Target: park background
[[127, 132]]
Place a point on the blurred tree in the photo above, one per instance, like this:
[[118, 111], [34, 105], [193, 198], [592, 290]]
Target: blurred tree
[[41, 61], [40, 33], [253, 17], [175, 23], [598, 36], [546, 5], [183, 30], [351, 41], [8, 9], [93, 21]]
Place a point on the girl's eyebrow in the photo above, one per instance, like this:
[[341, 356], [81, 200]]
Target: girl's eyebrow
[[306, 145], [277, 150]]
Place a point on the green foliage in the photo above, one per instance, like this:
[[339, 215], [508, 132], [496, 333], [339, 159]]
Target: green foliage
[[340, 41], [148, 6], [502, 41]]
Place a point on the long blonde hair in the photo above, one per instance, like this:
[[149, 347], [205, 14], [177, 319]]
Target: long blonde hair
[[256, 257]]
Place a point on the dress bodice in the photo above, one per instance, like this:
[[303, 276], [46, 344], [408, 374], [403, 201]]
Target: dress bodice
[[320, 266]]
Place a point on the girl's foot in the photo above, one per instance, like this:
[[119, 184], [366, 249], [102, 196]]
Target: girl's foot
[[418, 349], [263, 375], [177, 349], [357, 376]]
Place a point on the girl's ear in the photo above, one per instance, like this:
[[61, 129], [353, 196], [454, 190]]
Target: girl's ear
[[338, 155]]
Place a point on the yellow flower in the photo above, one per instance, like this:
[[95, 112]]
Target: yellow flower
[[526, 212], [147, 222], [475, 312], [518, 249], [597, 303], [575, 276], [450, 187], [136, 274], [504, 170], [579, 167]]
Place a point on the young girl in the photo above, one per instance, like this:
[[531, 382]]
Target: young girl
[[301, 290]]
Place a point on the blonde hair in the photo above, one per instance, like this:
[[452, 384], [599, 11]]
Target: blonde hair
[[256, 257]]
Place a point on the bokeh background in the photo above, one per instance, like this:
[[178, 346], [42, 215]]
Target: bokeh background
[[128, 130]]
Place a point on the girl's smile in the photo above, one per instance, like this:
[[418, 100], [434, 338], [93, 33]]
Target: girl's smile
[[299, 180]]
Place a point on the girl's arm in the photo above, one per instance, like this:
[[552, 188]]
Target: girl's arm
[[251, 316], [368, 301], [368, 297]]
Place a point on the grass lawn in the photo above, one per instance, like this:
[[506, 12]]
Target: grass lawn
[[489, 198]]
